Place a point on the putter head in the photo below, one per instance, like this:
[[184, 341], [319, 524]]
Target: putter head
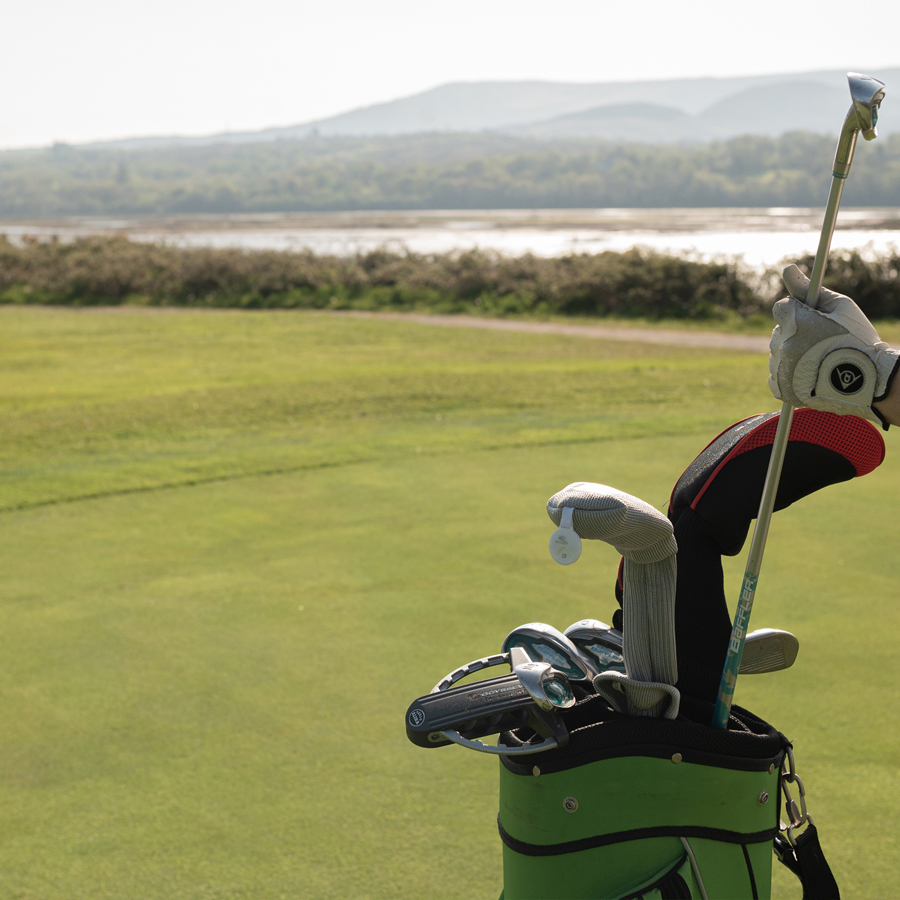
[[867, 94]]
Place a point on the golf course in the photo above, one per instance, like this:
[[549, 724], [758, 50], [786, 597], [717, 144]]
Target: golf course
[[238, 544]]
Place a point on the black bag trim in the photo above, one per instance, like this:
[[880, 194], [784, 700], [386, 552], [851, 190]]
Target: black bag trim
[[670, 885], [635, 834], [658, 751], [597, 733]]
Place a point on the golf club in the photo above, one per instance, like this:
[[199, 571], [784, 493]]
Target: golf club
[[544, 643], [768, 650], [765, 650], [462, 714], [866, 94], [600, 641], [547, 687]]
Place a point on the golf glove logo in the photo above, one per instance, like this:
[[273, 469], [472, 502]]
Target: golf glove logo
[[847, 378]]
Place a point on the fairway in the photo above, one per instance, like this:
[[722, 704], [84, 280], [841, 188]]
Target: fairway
[[236, 546]]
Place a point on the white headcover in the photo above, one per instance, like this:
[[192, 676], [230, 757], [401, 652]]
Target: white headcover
[[644, 536]]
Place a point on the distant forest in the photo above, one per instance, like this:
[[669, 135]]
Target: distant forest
[[437, 171]]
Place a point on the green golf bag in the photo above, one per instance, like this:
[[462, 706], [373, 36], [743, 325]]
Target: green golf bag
[[642, 807], [634, 794], [637, 806]]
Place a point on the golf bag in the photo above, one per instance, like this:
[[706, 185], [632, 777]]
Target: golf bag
[[643, 807], [654, 808], [600, 801]]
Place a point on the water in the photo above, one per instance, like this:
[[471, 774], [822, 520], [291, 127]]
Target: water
[[761, 237]]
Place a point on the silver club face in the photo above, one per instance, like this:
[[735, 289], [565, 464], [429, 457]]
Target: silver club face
[[547, 687], [601, 641], [544, 643], [867, 94], [768, 650]]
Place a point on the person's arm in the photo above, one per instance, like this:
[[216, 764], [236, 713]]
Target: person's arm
[[830, 357], [889, 408]]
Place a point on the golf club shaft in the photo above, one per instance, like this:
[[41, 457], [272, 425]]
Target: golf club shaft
[[773, 474]]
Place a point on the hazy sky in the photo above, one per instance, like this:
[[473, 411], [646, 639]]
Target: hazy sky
[[96, 69]]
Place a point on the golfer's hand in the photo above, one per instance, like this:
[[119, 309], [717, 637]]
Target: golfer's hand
[[828, 358]]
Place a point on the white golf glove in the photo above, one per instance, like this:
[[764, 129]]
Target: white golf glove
[[828, 358]]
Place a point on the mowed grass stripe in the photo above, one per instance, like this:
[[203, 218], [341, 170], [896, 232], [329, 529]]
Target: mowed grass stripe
[[96, 405]]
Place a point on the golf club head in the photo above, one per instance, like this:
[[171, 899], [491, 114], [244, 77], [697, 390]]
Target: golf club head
[[547, 687], [765, 650], [544, 643], [601, 641], [867, 94], [768, 650]]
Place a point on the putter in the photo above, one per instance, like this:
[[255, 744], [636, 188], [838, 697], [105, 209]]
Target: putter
[[866, 95], [543, 643], [765, 650]]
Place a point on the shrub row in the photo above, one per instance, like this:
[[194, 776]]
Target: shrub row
[[636, 283]]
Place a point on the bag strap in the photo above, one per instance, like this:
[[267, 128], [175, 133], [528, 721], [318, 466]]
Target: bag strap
[[802, 853], [807, 861]]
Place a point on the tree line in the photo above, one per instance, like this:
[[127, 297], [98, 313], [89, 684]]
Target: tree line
[[438, 171]]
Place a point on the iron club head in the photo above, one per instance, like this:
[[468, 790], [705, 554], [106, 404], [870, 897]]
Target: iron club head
[[601, 641], [768, 650], [547, 687], [544, 643]]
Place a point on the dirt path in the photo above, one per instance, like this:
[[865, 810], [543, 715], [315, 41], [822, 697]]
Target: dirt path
[[713, 340], [710, 339]]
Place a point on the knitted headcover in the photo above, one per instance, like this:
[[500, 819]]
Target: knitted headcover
[[643, 535], [717, 497]]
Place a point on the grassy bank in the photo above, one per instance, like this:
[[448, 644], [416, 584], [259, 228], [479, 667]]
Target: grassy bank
[[201, 508]]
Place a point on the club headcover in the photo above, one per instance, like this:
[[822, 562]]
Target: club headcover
[[724, 483], [713, 504]]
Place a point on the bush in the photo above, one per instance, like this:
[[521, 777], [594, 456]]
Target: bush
[[636, 283], [871, 282]]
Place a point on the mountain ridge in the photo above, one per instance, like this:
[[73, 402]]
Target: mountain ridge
[[528, 107]]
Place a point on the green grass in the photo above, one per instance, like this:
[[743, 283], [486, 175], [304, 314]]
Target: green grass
[[99, 403], [213, 619]]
